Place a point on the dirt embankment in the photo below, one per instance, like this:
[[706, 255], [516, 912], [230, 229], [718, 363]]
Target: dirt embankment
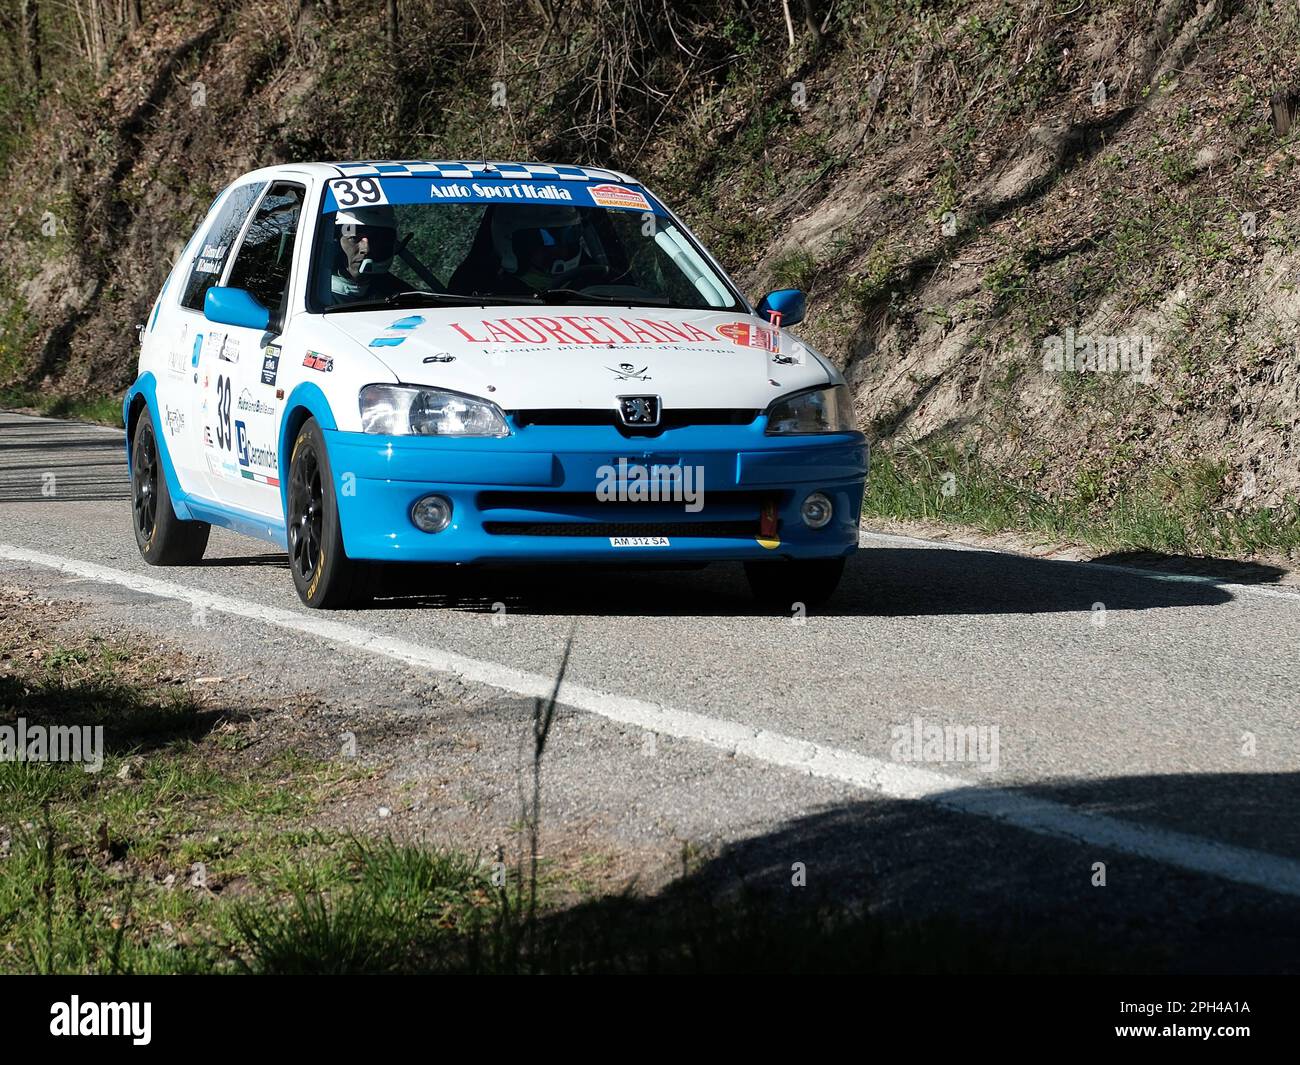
[[978, 196]]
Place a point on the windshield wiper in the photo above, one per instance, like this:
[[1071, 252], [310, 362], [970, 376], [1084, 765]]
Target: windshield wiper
[[418, 298], [573, 295]]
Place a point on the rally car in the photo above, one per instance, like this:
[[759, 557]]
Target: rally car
[[447, 362]]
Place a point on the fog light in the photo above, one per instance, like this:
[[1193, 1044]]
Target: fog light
[[816, 511], [432, 513]]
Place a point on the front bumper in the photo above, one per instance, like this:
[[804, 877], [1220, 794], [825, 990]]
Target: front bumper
[[532, 496]]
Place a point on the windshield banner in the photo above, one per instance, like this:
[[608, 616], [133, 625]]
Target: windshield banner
[[373, 191]]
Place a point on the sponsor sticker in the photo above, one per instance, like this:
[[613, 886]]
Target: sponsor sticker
[[314, 360], [175, 421], [638, 541], [397, 332], [618, 196], [251, 454], [518, 192], [793, 357], [225, 346], [749, 335], [176, 357], [212, 259], [627, 371], [586, 329], [249, 405], [270, 363]]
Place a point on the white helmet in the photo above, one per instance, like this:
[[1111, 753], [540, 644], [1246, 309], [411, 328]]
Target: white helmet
[[555, 230], [380, 224]]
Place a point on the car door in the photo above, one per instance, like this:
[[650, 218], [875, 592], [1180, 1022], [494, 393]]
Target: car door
[[241, 383], [191, 334]]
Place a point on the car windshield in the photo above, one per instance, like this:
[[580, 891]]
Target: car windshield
[[412, 241]]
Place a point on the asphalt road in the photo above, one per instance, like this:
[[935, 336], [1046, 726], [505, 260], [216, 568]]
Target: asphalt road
[[1159, 735]]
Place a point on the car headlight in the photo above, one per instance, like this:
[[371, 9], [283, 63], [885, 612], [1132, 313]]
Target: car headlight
[[823, 410], [406, 410]]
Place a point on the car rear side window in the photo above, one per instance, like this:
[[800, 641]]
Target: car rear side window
[[266, 254], [214, 249]]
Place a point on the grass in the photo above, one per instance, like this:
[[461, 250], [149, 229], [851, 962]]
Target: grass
[[798, 269], [95, 877], [199, 859], [100, 409], [1172, 511]]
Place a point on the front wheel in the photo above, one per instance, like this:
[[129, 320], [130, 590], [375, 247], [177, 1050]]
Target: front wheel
[[163, 539], [783, 585], [323, 574]]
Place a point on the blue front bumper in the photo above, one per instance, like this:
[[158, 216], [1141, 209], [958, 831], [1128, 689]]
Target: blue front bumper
[[532, 495]]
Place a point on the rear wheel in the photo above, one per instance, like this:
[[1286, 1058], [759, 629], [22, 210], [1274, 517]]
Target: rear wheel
[[784, 584], [163, 539], [323, 574]]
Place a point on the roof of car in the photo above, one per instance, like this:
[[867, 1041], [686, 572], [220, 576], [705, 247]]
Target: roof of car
[[448, 168]]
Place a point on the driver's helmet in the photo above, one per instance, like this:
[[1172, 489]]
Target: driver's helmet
[[367, 242], [538, 239]]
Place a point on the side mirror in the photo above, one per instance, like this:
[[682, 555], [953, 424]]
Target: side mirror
[[235, 306], [789, 303]]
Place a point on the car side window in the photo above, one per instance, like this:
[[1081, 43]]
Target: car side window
[[215, 247], [264, 258]]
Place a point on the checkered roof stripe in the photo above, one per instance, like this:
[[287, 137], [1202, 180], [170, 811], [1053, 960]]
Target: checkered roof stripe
[[527, 171]]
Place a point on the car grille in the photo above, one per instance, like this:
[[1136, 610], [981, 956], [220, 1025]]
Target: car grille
[[519, 512], [668, 418], [674, 530], [550, 501]]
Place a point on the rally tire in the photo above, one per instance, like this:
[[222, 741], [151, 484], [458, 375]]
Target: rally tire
[[782, 585], [324, 576], [163, 539]]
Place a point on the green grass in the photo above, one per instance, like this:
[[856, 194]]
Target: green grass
[[102, 873], [84, 887], [798, 269], [100, 409], [1172, 511]]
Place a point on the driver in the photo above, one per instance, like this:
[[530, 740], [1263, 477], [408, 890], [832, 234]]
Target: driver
[[366, 244], [539, 245]]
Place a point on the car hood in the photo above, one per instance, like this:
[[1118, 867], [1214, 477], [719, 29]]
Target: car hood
[[575, 357]]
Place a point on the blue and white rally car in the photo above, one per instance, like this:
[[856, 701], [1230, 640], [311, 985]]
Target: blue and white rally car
[[448, 362]]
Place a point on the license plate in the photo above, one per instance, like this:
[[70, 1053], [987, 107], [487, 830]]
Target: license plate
[[638, 541]]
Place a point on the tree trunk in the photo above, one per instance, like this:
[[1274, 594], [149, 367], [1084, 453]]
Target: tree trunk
[[31, 20], [810, 21], [392, 23]]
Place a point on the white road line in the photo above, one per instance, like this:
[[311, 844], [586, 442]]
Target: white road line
[[1256, 869], [866, 538]]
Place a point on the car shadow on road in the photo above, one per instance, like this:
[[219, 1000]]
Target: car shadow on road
[[276, 560], [1229, 570], [891, 885], [878, 582]]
